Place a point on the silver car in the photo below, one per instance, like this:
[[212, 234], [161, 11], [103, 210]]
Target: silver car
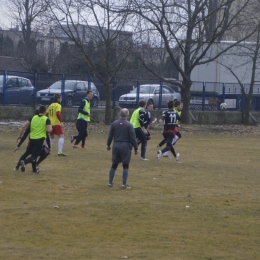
[[151, 94]]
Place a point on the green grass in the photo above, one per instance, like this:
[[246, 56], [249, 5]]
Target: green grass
[[217, 176]]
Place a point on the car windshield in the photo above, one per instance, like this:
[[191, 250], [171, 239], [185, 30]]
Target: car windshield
[[144, 90], [68, 85]]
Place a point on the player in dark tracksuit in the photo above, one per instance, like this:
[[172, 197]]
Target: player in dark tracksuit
[[123, 134], [44, 152]]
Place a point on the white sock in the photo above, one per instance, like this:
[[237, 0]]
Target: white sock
[[175, 139], [60, 144], [166, 153]]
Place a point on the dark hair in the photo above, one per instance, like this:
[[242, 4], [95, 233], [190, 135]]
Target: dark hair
[[170, 104], [89, 91], [42, 109], [177, 103], [142, 103], [57, 96], [36, 112], [149, 104]]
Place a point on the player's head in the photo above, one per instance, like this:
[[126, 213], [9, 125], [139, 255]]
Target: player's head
[[89, 94], [177, 103], [142, 103], [58, 98], [42, 110], [149, 107], [124, 113], [170, 104], [36, 112]]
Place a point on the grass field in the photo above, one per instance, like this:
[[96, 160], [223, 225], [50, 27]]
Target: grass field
[[206, 206]]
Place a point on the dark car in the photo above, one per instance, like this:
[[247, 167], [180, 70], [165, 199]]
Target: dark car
[[18, 90], [74, 92]]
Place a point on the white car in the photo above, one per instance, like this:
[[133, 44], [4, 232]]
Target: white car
[[151, 94]]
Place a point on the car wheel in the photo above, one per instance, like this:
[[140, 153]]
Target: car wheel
[[94, 102], [69, 102]]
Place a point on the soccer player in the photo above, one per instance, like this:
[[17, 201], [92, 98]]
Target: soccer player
[[39, 124], [169, 120], [54, 113], [148, 119], [177, 107], [137, 120], [82, 121], [44, 151], [123, 134]]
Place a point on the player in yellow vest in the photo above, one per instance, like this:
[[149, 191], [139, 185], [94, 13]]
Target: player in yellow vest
[[39, 124], [54, 113], [82, 121], [137, 120]]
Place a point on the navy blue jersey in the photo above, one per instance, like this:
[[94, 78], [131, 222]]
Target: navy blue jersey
[[170, 119], [147, 119]]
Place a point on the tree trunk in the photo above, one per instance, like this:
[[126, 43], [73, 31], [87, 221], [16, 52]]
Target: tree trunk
[[108, 104], [185, 98]]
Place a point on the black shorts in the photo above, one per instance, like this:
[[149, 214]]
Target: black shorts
[[121, 153]]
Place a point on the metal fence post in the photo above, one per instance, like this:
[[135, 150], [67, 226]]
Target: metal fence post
[[35, 84], [62, 89], [203, 95], [137, 94], [4, 87], [89, 83], [160, 95], [114, 93], [223, 93]]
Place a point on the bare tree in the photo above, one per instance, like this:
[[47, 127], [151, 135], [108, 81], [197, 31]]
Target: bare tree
[[27, 14], [85, 21], [188, 27], [243, 63]]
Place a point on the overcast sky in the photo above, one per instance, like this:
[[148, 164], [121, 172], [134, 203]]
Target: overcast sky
[[5, 22]]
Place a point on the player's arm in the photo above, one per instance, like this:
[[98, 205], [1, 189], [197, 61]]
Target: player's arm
[[110, 137], [48, 125], [58, 115], [25, 125], [133, 138], [161, 120], [48, 140]]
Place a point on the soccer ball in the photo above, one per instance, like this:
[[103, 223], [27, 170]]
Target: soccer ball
[[223, 106]]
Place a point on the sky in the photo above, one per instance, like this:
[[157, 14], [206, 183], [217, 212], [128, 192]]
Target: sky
[[5, 22]]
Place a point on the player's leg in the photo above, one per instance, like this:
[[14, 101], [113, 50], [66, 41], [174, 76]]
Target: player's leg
[[74, 137], [61, 144], [81, 132], [36, 150], [141, 136], [85, 135], [43, 155], [111, 174], [23, 157], [125, 154]]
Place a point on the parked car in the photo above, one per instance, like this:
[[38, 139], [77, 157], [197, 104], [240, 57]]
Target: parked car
[[18, 90], [149, 93], [74, 92]]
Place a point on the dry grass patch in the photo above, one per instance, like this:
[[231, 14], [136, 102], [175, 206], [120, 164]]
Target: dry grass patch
[[217, 177]]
